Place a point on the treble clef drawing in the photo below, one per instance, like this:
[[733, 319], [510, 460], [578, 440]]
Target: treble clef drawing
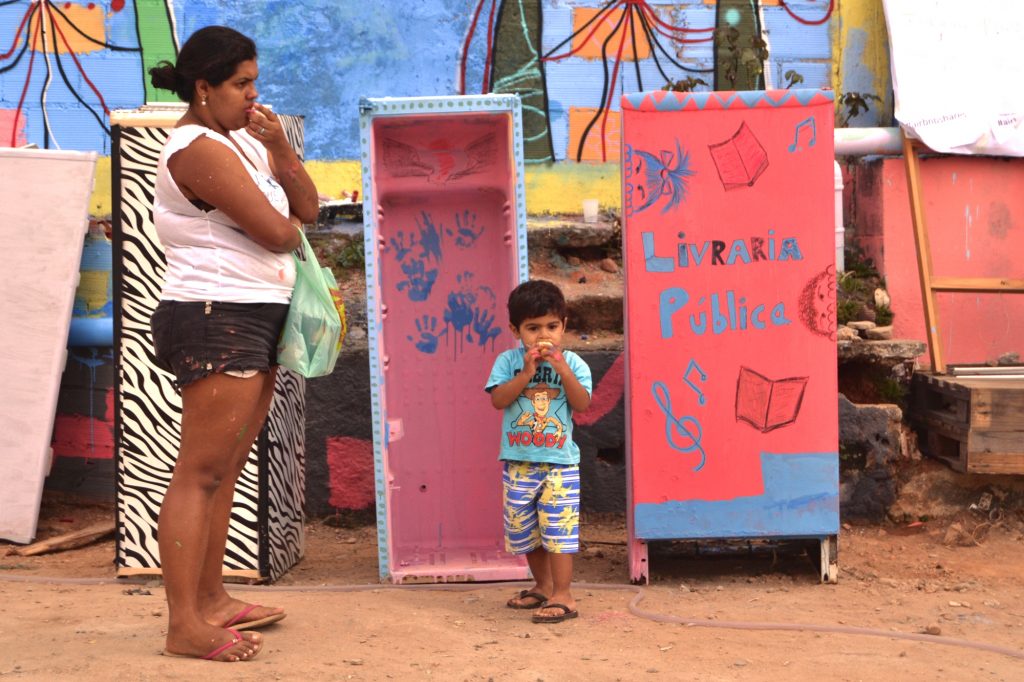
[[683, 427]]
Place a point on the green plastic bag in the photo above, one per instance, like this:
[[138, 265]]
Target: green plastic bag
[[315, 326]]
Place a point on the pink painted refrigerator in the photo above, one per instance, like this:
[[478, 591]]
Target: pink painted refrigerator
[[732, 410], [444, 223]]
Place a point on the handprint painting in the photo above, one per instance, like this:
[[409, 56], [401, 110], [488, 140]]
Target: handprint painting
[[446, 226], [443, 213]]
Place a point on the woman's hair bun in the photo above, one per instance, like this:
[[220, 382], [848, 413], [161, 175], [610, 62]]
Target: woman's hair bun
[[165, 77]]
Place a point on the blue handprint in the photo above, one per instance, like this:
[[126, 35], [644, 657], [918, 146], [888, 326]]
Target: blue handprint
[[426, 326], [430, 238], [482, 322], [460, 310], [420, 280], [466, 228], [401, 250], [484, 289]]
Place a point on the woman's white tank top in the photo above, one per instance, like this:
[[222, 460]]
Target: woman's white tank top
[[209, 258]]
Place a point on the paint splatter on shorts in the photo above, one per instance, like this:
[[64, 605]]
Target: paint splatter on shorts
[[193, 340], [542, 507]]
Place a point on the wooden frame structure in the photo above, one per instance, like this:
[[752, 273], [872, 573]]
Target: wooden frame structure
[[929, 283]]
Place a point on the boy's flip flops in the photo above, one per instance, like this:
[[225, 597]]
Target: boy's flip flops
[[538, 598], [566, 614]]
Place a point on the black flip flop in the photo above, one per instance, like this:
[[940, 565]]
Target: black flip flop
[[566, 614], [523, 595]]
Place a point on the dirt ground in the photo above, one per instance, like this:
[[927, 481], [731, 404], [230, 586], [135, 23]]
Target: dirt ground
[[712, 614]]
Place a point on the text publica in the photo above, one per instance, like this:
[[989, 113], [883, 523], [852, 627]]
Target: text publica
[[724, 311]]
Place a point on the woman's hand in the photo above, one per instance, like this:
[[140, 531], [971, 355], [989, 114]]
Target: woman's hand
[[265, 127], [303, 200]]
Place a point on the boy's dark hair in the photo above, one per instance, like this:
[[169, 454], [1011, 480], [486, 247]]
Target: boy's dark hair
[[535, 298], [212, 54]]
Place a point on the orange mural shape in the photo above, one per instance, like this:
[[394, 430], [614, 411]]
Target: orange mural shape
[[579, 119], [88, 18], [590, 39]]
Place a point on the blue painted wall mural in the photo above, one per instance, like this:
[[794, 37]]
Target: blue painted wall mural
[[64, 65]]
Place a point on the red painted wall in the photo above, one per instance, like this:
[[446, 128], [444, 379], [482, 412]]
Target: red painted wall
[[974, 211], [350, 463]]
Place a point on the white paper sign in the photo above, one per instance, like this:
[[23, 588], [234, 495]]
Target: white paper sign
[[955, 73]]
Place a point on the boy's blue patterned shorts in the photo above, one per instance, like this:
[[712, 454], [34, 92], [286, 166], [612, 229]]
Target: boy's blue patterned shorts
[[542, 507]]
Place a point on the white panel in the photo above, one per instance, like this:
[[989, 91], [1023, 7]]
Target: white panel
[[44, 201]]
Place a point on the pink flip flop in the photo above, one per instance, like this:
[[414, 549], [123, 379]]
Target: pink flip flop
[[236, 637], [239, 622]]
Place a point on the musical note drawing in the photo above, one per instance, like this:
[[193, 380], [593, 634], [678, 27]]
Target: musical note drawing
[[809, 121], [701, 398], [678, 425]]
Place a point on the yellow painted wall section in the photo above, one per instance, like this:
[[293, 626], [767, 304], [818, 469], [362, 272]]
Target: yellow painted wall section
[[868, 19], [560, 188], [100, 205], [563, 187], [334, 177]]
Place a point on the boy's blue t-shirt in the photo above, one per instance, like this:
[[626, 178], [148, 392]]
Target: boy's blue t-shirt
[[537, 426]]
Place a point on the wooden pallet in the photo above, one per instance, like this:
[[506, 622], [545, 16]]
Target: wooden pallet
[[974, 424]]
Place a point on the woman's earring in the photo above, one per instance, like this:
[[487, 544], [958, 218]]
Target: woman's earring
[[203, 102]]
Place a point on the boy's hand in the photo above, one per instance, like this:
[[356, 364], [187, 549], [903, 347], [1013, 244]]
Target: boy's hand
[[551, 353], [531, 358]]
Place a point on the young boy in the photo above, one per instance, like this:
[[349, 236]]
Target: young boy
[[539, 386]]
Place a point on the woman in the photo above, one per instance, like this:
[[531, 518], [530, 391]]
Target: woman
[[231, 196]]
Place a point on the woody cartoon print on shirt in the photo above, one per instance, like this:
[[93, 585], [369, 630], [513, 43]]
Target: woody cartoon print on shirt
[[543, 427]]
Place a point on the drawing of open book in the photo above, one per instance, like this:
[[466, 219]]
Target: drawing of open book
[[768, 404], [740, 160]]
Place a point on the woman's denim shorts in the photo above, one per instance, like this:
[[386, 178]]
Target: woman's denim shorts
[[193, 340]]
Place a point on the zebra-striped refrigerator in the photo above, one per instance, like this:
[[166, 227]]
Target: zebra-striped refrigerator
[[266, 535], [444, 217]]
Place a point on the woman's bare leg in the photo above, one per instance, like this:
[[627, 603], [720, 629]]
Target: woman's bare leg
[[214, 602], [214, 410]]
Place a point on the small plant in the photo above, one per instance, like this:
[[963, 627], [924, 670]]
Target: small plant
[[351, 255], [792, 78], [854, 103], [883, 315], [688, 84], [850, 283], [733, 57], [892, 391], [858, 264], [846, 310]]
